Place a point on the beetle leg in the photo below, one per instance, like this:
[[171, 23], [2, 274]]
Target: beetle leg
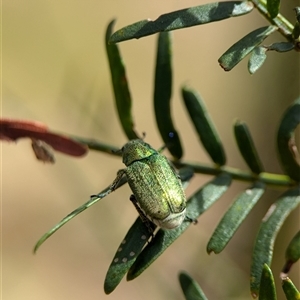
[[194, 221], [144, 218], [117, 180], [116, 183]]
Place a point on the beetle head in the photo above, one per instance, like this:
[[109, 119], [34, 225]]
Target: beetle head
[[136, 150]]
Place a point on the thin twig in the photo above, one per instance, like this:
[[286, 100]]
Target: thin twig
[[271, 179]]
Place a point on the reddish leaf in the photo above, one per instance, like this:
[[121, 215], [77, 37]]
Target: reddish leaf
[[11, 130]]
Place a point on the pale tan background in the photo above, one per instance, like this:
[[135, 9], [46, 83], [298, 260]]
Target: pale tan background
[[55, 71]]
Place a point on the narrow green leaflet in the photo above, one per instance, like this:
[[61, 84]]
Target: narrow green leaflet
[[273, 7], [247, 148], [267, 285], [186, 174], [94, 199], [292, 253], [297, 11], [258, 55], [244, 46], [197, 204], [204, 126], [293, 250], [183, 18], [290, 290], [296, 31], [257, 58], [287, 150], [264, 243], [133, 243], [234, 216], [162, 95], [190, 287], [281, 47], [120, 86]]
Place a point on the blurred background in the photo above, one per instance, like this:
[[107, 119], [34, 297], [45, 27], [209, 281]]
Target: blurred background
[[54, 70]]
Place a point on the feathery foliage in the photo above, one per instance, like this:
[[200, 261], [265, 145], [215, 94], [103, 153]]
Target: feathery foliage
[[136, 252]]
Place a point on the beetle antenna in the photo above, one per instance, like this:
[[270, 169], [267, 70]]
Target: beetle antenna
[[162, 148]]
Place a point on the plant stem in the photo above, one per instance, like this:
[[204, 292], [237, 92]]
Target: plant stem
[[271, 179], [284, 26], [98, 146]]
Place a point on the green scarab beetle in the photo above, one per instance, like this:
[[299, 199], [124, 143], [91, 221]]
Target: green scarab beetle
[[157, 190]]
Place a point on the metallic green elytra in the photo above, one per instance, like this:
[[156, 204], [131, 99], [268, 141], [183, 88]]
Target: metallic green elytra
[[157, 189]]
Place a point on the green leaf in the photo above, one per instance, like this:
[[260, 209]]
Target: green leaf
[[133, 243], [247, 147], [204, 126], [183, 18], [257, 58], [290, 290], [273, 8], [234, 217], [196, 205], [296, 31], [94, 199], [190, 288], [297, 11], [293, 250], [267, 289], [292, 253], [120, 86], [162, 96], [271, 223], [281, 47], [244, 46], [185, 174], [286, 147]]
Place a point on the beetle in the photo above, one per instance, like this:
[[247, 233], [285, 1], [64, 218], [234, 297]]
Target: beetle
[[158, 194]]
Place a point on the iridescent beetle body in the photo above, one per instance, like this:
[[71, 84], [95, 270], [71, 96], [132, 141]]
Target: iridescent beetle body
[[157, 188]]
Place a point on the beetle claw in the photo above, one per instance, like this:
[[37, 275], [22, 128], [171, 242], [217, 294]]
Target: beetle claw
[[194, 221]]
